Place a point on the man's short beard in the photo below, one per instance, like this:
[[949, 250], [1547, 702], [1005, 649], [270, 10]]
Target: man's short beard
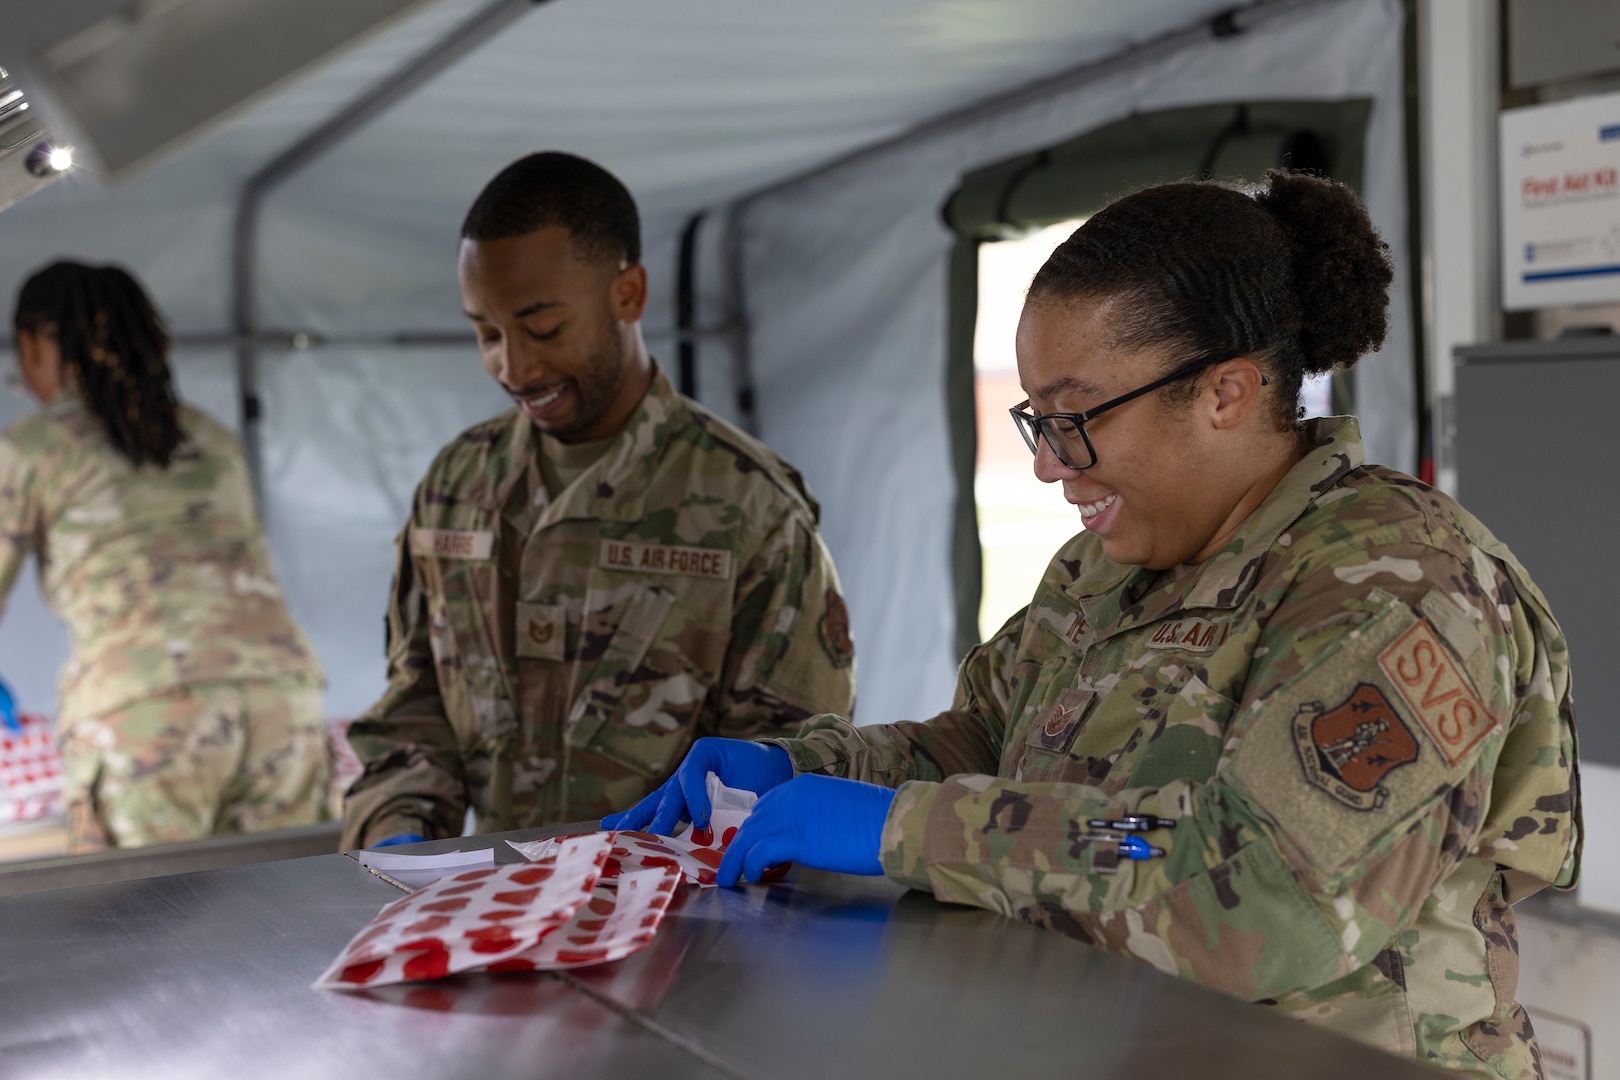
[[595, 388]]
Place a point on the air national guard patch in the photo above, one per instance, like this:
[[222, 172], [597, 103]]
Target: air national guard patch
[[1349, 749], [834, 629]]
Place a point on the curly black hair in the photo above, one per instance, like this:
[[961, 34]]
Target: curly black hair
[[553, 188], [116, 348], [1292, 275]]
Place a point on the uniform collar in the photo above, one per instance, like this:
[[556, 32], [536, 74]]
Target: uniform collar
[[66, 400], [1115, 597], [615, 487]]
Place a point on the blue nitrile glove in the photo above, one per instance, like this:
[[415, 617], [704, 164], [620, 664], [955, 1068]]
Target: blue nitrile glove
[[8, 709], [813, 820], [402, 838], [749, 766]]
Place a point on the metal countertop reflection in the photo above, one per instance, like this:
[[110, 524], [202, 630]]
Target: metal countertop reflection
[[208, 975], [199, 975]]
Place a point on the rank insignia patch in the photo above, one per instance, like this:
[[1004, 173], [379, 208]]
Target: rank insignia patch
[[835, 630], [1055, 731], [1349, 749]]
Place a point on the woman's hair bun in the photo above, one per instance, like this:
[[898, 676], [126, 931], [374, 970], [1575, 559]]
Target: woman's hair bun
[[1342, 268]]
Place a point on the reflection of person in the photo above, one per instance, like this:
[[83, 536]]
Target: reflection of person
[[1338, 705], [595, 577], [192, 703]]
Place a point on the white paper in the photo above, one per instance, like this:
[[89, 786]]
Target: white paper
[[415, 871]]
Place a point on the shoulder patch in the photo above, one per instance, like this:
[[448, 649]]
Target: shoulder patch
[[1427, 679], [1348, 749], [834, 628]]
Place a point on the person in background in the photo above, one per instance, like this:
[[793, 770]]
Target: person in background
[[597, 576], [191, 705], [1278, 721]]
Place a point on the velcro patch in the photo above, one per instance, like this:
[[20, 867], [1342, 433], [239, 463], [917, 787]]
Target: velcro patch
[[664, 559], [1056, 730], [1348, 749], [1068, 623], [1429, 681], [1190, 635], [1336, 756], [834, 631], [541, 631], [451, 543]]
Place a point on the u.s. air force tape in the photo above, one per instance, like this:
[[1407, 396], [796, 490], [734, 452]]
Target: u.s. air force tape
[[664, 559], [451, 543]]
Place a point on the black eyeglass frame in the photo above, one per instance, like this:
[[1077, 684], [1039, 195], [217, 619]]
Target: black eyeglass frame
[[1032, 428]]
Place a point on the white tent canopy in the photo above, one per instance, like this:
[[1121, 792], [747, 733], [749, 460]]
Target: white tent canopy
[[824, 260]]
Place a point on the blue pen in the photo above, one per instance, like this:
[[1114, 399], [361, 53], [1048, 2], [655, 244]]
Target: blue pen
[[1134, 847]]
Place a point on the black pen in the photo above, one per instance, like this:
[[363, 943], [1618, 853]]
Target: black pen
[[1132, 823]]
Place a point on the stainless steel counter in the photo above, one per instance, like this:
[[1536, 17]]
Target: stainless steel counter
[[207, 974]]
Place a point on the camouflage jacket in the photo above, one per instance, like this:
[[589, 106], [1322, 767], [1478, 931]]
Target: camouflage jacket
[[552, 655], [161, 575], [1357, 714]]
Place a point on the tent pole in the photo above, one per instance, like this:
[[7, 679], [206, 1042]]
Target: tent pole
[[478, 28], [686, 304], [737, 320]]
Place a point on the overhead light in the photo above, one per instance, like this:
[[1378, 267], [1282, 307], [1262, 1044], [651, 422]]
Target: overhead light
[[46, 160]]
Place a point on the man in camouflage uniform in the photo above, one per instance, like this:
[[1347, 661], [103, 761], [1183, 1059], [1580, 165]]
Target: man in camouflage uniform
[[1357, 716], [192, 703], [593, 579]]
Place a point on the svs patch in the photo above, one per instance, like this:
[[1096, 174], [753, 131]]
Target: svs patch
[[835, 630], [1349, 749]]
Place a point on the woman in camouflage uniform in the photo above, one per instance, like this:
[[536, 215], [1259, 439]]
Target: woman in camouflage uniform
[[192, 703], [1278, 721]]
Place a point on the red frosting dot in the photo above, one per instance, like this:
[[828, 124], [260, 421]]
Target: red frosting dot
[[460, 890], [429, 965], [490, 939], [361, 973], [516, 897], [369, 935], [428, 925], [455, 903], [531, 875]]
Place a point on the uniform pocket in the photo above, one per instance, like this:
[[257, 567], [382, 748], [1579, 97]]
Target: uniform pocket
[[598, 720], [1060, 706], [1184, 738], [472, 682]]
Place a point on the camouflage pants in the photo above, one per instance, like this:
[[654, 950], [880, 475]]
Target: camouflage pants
[[195, 761]]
